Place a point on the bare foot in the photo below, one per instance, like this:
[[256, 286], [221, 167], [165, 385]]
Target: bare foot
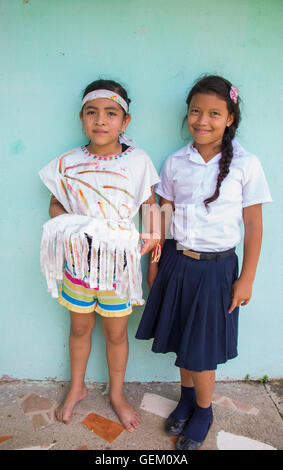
[[126, 413], [64, 411]]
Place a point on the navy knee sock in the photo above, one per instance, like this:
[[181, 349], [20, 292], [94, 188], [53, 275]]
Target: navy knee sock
[[199, 423], [186, 403]]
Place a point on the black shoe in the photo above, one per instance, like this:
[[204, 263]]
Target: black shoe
[[185, 443], [174, 426]]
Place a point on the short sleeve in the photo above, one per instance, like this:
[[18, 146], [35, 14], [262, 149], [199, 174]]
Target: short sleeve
[[50, 176], [146, 177], [255, 187], [165, 187]]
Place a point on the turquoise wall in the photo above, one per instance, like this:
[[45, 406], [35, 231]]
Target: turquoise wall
[[50, 50]]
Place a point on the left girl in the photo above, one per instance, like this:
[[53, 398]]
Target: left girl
[[106, 180]]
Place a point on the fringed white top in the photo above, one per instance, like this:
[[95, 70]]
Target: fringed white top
[[101, 196]]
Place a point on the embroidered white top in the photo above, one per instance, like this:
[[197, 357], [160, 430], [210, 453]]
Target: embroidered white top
[[188, 180], [101, 196], [101, 187]]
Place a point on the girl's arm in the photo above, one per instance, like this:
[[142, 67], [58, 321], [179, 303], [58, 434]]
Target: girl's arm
[[151, 222], [167, 208], [242, 288], [166, 211], [55, 207]]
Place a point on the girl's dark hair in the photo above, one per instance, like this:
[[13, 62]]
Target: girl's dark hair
[[107, 85], [213, 84]]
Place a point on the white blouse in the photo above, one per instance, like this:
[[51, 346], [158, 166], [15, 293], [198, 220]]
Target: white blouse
[[188, 180]]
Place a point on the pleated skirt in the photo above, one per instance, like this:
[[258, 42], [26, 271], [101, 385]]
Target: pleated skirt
[[187, 310]]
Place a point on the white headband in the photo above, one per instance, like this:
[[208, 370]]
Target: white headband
[[106, 94]]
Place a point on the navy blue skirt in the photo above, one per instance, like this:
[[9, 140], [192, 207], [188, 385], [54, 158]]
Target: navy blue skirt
[[187, 310]]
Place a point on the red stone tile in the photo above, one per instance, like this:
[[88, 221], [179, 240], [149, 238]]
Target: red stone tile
[[5, 438], [83, 448], [103, 427]]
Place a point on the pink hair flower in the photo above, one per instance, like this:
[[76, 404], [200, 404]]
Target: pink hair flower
[[234, 93]]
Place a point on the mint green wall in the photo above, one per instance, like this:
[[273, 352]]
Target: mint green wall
[[50, 50]]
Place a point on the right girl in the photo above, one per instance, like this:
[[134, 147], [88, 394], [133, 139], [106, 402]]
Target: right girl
[[211, 186]]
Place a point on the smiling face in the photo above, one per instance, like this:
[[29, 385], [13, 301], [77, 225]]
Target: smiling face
[[103, 121], [208, 118]]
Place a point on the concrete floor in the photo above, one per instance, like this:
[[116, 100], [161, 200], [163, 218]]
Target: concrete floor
[[247, 416]]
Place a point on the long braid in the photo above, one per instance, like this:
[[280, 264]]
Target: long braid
[[224, 162]]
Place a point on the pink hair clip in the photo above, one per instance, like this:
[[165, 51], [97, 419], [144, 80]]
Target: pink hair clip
[[234, 93]]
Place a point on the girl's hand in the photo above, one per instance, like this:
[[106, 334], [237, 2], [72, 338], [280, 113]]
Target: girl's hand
[[152, 273], [241, 293], [149, 242]]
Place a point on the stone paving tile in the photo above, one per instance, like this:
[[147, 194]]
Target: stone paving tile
[[228, 441], [41, 447], [39, 409], [162, 406], [33, 402], [157, 404], [103, 427], [234, 404]]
